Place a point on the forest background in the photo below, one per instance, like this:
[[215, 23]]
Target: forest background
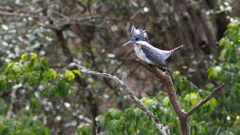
[[42, 92]]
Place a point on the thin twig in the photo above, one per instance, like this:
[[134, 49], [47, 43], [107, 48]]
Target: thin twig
[[21, 15], [218, 130], [205, 100], [60, 14], [163, 129]]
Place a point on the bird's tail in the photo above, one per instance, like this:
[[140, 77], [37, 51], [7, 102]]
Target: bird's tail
[[177, 49]]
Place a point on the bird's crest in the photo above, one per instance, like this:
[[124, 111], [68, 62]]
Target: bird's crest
[[138, 34]]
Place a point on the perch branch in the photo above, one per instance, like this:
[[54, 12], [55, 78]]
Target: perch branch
[[166, 78], [163, 129]]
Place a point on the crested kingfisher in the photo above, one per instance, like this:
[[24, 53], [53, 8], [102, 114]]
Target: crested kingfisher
[[146, 52]]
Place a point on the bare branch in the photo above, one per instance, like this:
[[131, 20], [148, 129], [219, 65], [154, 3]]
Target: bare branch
[[205, 100], [60, 14], [124, 78], [163, 129], [166, 78], [21, 15]]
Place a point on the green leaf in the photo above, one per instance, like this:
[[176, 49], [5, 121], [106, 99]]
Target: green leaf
[[34, 103], [84, 129], [212, 102], [101, 120], [33, 55], [222, 41], [77, 72], [223, 53], [166, 101], [70, 75], [113, 113], [24, 57], [192, 98], [52, 74], [3, 82], [17, 67]]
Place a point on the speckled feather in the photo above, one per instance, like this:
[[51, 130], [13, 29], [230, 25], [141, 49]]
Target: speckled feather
[[155, 55]]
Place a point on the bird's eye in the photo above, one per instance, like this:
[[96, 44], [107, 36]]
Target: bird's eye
[[136, 39]]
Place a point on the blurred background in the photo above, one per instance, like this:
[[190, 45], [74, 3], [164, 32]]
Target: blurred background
[[41, 92]]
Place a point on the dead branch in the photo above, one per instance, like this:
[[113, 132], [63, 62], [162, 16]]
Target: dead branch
[[163, 129], [166, 78]]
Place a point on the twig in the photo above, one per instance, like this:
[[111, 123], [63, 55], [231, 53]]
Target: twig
[[21, 15], [163, 129], [60, 14], [218, 130], [205, 100]]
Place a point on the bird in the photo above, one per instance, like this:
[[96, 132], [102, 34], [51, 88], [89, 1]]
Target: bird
[[148, 53]]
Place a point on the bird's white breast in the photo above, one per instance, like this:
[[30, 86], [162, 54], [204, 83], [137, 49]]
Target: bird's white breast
[[141, 55]]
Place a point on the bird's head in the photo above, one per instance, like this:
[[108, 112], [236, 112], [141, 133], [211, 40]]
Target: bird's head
[[137, 34]]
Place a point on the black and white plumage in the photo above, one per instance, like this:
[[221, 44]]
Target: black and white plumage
[[153, 55], [146, 51]]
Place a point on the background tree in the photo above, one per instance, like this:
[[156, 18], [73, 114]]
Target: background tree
[[39, 40]]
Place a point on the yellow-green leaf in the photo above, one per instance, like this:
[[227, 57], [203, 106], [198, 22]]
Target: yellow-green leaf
[[24, 57], [33, 55], [212, 102], [70, 75], [166, 101], [77, 72], [192, 98]]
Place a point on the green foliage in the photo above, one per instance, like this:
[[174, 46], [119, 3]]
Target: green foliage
[[227, 71], [33, 103], [84, 129], [22, 126], [34, 83], [34, 72], [130, 121], [134, 121]]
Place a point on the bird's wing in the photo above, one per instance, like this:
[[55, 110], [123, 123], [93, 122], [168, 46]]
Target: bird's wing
[[153, 55]]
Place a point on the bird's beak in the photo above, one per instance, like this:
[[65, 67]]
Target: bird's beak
[[129, 43]]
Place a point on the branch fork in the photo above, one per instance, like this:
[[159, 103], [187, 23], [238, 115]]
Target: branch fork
[[166, 78], [163, 129]]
